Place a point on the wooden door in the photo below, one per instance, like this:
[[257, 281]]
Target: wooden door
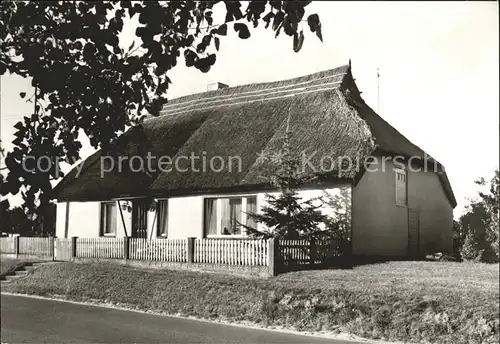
[[139, 219], [413, 232]]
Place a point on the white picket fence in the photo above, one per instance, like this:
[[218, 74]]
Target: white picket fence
[[7, 245], [36, 246], [285, 254], [164, 250], [233, 252], [109, 248]]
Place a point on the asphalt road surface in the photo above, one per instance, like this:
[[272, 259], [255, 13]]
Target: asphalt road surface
[[29, 320]]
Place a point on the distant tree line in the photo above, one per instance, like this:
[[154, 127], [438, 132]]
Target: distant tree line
[[477, 229], [16, 221]]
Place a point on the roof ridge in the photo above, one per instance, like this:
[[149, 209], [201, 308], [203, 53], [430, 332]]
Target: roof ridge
[[246, 89], [263, 98], [256, 91]]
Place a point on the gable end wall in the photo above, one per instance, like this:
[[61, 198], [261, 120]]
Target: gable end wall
[[380, 227]]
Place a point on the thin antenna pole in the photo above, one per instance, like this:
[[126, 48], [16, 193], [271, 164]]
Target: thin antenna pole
[[378, 91]]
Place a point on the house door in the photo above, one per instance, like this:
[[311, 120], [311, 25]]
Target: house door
[[139, 219], [413, 232]]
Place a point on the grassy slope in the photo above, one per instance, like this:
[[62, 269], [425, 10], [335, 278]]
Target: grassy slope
[[7, 265], [415, 301]]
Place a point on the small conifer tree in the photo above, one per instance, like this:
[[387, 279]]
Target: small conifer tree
[[469, 251], [286, 215]]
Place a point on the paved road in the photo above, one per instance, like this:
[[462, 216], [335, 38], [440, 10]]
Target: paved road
[[29, 320]]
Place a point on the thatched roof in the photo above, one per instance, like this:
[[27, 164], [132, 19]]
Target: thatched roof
[[161, 136], [325, 112]]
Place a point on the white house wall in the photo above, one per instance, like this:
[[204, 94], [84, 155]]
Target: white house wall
[[380, 226], [185, 217], [83, 219], [123, 226], [60, 219], [426, 194]]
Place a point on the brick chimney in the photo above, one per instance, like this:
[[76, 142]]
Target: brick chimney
[[215, 85]]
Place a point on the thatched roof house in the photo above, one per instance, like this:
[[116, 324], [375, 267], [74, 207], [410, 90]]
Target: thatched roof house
[[326, 115]]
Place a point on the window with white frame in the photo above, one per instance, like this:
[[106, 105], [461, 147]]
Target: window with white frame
[[401, 187], [226, 215], [162, 218], [108, 219]]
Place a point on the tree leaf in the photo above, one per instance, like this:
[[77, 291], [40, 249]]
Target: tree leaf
[[98, 89], [315, 25], [318, 34], [276, 4], [89, 51], [211, 59], [313, 22], [242, 30], [290, 25], [278, 30], [298, 40], [190, 57], [267, 18], [131, 46], [278, 20], [301, 39], [204, 64], [217, 43], [4, 204], [222, 30], [17, 141]]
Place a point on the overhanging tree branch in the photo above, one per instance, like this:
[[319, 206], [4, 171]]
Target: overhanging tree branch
[[72, 52]]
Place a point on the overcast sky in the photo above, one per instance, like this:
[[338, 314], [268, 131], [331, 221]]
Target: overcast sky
[[438, 74]]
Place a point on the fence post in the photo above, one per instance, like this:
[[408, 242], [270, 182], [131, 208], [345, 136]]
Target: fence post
[[126, 244], [190, 250], [273, 256], [16, 246], [73, 247], [51, 248], [312, 251]]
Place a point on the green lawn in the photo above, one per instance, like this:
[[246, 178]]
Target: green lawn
[[440, 302], [441, 277]]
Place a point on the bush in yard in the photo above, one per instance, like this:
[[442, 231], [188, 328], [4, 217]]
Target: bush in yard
[[458, 239], [480, 223], [469, 251], [491, 200], [339, 224]]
